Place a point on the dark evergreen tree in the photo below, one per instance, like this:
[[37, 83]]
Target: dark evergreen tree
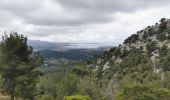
[[163, 25], [17, 67]]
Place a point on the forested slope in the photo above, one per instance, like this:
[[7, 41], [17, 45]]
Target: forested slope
[[143, 59]]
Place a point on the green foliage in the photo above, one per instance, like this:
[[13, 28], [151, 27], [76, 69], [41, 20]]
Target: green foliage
[[60, 84], [151, 47], [132, 39], [135, 61], [76, 97], [88, 87], [164, 62], [164, 58], [117, 52], [45, 97], [166, 80], [80, 71], [151, 31], [145, 35], [17, 67], [168, 37], [149, 67], [163, 25], [161, 37], [143, 92], [163, 51]]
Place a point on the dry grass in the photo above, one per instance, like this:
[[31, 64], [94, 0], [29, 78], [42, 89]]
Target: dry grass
[[4, 97]]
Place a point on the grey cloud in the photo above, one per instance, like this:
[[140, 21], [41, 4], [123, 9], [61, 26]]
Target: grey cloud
[[4, 18], [83, 12], [69, 18], [73, 20], [110, 5], [43, 31], [21, 6], [73, 12]]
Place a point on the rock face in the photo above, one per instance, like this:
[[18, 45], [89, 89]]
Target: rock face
[[148, 42], [140, 40]]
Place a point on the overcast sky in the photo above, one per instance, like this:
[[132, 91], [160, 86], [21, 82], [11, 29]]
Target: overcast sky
[[80, 21]]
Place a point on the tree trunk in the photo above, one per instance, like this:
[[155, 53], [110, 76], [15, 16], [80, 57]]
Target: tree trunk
[[13, 92], [12, 96], [23, 98], [12, 89]]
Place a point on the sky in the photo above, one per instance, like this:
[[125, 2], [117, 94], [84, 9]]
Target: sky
[[108, 22]]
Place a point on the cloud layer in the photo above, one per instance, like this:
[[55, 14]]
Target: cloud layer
[[98, 21]]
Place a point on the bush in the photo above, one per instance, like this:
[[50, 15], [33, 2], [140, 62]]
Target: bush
[[163, 51], [145, 35], [151, 46], [149, 40], [151, 32], [163, 25], [77, 97], [80, 71], [45, 97], [143, 92], [165, 63], [168, 37], [161, 37], [133, 38]]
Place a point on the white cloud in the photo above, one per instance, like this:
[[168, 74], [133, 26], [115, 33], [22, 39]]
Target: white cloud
[[108, 22]]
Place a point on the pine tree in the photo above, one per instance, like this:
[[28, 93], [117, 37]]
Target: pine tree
[[17, 67]]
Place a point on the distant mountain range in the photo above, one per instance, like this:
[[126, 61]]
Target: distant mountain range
[[71, 51], [44, 45]]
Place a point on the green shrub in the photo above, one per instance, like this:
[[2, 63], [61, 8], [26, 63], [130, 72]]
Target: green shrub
[[163, 25], [143, 92], [77, 97], [168, 37], [132, 39], [151, 32], [45, 97], [151, 46], [145, 35], [161, 37]]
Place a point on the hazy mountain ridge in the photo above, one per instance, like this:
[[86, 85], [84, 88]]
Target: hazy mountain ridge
[[66, 50], [45, 45]]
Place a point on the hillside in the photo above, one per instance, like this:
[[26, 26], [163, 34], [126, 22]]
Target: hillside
[[143, 58]]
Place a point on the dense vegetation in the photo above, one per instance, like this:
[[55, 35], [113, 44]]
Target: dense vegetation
[[17, 68], [74, 54], [23, 75], [61, 83]]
